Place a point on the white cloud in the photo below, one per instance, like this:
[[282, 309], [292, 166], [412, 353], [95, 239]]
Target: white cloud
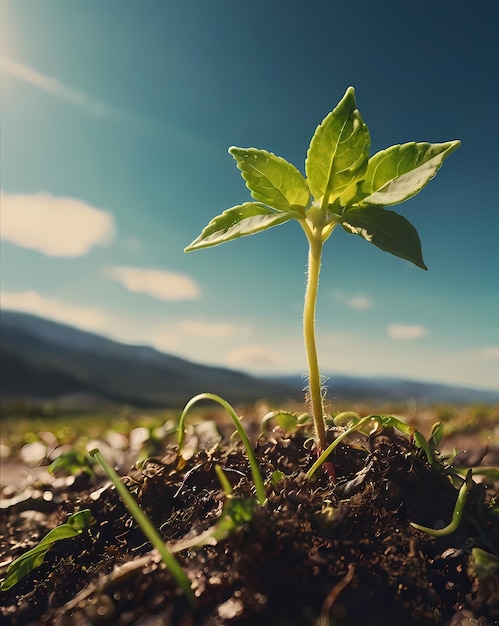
[[52, 225], [134, 245], [88, 318], [156, 283], [406, 331], [89, 105], [492, 352], [53, 86], [488, 352], [254, 358], [164, 341], [205, 329], [358, 302]]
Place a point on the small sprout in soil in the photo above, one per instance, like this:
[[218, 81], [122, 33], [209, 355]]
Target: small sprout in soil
[[255, 470], [456, 515], [285, 420], [23, 565], [74, 461], [224, 481], [146, 526], [236, 512], [354, 423], [483, 564], [343, 187]]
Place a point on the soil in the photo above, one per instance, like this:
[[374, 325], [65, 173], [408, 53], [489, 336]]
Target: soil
[[319, 552]]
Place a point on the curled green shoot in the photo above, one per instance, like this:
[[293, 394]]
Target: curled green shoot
[[456, 515], [255, 470], [146, 526]]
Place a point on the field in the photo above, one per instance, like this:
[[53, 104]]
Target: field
[[33, 437], [47, 475]]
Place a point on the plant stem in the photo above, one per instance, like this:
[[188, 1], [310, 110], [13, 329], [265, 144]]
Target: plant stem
[[314, 382], [146, 526]]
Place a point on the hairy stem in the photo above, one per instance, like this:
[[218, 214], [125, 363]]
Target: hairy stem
[[314, 383]]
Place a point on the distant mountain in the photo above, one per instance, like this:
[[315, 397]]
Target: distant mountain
[[380, 389], [42, 360], [45, 360]]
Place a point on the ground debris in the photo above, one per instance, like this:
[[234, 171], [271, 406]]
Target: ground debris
[[316, 553]]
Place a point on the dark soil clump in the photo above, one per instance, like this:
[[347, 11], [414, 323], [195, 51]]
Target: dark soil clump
[[317, 553]]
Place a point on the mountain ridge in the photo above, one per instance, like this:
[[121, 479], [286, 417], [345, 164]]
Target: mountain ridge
[[34, 348], [45, 360]]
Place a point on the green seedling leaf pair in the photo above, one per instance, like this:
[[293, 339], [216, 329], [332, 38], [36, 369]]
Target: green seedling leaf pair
[[343, 186], [73, 462], [30, 560], [289, 422]]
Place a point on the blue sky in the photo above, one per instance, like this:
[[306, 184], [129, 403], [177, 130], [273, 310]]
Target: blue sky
[[116, 118]]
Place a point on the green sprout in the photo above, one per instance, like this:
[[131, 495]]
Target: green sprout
[[146, 526], [30, 560], [74, 461], [236, 513], [457, 514], [352, 422], [343, 187], [255, 470]]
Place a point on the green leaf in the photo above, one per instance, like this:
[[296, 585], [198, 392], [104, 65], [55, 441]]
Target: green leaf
[[339, 151], [240, 221], [277, 477], [236, 512], [387, 230], [483, 564], [32, 559], [271, 179], [437, 434], [400, 172]]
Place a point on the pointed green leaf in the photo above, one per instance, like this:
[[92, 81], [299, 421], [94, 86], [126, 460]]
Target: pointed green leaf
[[271, 179], [33, 558], [338, 152], [399, 172], [387, 230], [240, 221], [23, 565]]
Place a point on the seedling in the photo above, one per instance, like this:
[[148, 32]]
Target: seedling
[[255, 470], [343, 187], [236, 512], [354, 423], [30, 560], [456, 515], [146, 526], [74, 461]]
